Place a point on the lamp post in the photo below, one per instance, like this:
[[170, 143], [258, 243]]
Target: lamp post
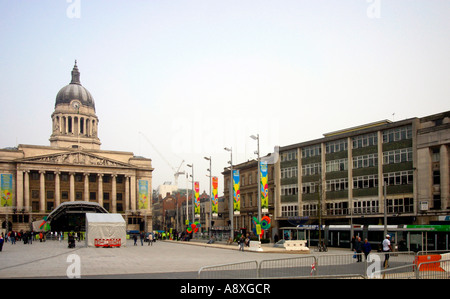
[[210, 194], [230, 204], [193, 192], [258, 181], [177, 174], [385, 209]]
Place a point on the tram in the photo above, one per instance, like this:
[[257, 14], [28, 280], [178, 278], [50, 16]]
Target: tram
[[403, 237]]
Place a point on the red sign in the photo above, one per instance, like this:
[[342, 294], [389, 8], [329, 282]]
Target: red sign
[[107, 242]]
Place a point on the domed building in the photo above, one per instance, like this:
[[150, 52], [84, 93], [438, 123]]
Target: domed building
[[36, 180], [75, 123]]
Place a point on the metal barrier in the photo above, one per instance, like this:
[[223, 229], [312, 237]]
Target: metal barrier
[[289, 267], [342, 264], [434, 270], [401, 272], [401, 265], [230, 271]]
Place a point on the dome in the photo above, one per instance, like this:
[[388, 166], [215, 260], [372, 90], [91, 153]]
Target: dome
[[75, 91]]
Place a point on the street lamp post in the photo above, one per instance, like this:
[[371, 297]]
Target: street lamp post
[[193, 192], [210, 194], [258, 181], [385, 209], [230, 204], [177, 174]]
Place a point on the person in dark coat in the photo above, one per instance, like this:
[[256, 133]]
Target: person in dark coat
[[367, 248], [358, 249]]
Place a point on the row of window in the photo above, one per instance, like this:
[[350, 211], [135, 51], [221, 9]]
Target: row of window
[[78, 195], [365, 140], [363, 161], [336, 146], [371, 139], [336, 165], [398, 156], [360, 207], [289, 156], [359, 182], [78, 177], [289, 189], [289, 172]]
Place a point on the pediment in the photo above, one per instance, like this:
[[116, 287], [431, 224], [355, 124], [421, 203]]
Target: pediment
[[76, 158]]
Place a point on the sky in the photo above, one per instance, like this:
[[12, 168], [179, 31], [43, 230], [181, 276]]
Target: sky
[[176, 80]]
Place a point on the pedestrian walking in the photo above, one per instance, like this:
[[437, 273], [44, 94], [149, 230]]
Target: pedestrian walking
[[386, 248], [150, 239], [367, 248], [1, 242], [142, 236], [358, 249], [12, 237], [241, 243], [135, 239]]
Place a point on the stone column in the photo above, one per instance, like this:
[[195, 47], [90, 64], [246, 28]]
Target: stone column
[[100, 189], [19, 188], [127, 192], [42, 191], [444, 169], [114, 193], [57, 189], [72, 186], [133, 192], [380, 173], [350, 174], [86, 187], [26, 191]]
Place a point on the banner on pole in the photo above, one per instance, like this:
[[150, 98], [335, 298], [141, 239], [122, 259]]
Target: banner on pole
[[6, 190], [143, 195], [264, 187], [215, 197], [236, 193], [197, 200]]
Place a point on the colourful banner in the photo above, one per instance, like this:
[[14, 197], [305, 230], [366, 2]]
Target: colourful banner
[[264, 187], [143, 195], [215, 197], [6, 190], [236, 193], [197, 200]]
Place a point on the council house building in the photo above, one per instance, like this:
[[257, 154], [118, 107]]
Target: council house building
[[37, 179]]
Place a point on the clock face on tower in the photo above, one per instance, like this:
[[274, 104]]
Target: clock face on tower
[[76, 105]]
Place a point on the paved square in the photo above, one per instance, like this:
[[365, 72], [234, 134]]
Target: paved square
[[165, 259]]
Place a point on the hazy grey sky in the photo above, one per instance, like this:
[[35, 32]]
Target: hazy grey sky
[[196, 76]]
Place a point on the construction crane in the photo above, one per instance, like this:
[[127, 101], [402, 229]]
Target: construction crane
[[176, 172]]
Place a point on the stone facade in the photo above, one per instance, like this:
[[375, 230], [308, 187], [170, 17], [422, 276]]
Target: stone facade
[[39, 178]]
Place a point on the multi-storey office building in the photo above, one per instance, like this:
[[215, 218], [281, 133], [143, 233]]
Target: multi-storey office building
[[344, 173]]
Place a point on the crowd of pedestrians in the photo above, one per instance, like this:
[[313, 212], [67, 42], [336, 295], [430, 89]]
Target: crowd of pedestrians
[[25, 237]]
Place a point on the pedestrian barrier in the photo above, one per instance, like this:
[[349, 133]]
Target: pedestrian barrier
[[255, 246], [230, 271], [295, 245], [434, 270], [399, 265], [401, 272], [289, 267]]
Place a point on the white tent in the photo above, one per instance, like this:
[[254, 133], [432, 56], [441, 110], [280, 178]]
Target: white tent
[[105, 230]]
